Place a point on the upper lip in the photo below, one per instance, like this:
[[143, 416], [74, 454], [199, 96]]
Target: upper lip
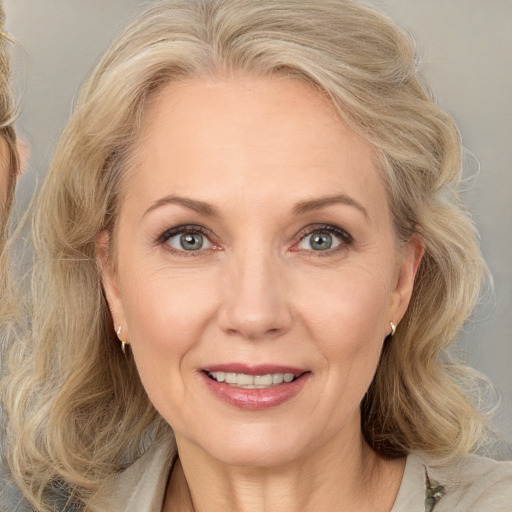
[[253, 369]]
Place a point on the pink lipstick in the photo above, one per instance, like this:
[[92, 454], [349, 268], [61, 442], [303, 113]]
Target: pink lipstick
[[254, 387]]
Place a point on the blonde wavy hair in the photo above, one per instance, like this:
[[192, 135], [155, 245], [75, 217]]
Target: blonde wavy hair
[[76, 408]]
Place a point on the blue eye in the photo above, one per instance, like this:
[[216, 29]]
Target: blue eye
[[324, 239], [189, 241]]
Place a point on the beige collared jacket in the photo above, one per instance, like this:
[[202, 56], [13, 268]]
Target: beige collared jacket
[[474, 484]]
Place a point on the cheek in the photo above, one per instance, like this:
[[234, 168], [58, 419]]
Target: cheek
[[165, 317], [347, 316], [350, 304], [3, 186], [166, 312]]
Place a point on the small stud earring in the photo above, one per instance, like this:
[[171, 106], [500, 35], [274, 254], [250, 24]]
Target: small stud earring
[[393, 328]]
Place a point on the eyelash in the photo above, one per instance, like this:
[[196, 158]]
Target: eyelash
[[182, 230], [345, 238]]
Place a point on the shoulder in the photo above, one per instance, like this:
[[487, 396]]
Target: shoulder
[[473, 483], [140, 487]]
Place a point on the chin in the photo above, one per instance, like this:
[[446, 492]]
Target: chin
[[260, 447]]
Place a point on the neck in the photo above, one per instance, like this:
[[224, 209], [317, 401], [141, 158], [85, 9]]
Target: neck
[[333, 478]]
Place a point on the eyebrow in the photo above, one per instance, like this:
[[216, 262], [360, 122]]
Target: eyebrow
[[300, 208], [192, 204], [322, 202]]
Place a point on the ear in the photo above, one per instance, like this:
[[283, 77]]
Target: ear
[[410, 261], [110, 281]]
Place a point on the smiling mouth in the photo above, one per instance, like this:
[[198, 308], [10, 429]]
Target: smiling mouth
[[243, 380]]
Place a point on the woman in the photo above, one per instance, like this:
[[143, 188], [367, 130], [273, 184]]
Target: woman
[[8, 152], [251, 261], [9, 167]]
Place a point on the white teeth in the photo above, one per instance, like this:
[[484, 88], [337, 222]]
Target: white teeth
[[230, 378], [242, 380], [262, 380], [277, 378]]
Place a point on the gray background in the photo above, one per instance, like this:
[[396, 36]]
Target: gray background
[[466, 54]]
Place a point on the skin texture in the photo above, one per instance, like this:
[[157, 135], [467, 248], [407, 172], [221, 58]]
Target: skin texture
[[263, 153], [4, 174]]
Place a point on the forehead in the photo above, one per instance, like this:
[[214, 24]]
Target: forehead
[[215, 136]]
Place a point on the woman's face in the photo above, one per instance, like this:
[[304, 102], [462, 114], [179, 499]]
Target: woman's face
[[254, 246]]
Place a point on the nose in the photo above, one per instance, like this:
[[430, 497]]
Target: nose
[[255, 304]]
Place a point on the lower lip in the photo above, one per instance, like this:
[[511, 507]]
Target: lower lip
[[256, 399]]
